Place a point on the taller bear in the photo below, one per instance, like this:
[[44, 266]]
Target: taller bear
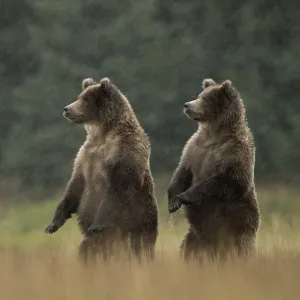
[[214, 180], [111, 188]]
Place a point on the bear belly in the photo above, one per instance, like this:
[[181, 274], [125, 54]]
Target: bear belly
[[92, 196], [208, 222]]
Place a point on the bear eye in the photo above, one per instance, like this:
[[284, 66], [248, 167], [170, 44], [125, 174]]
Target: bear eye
[[87, 98]]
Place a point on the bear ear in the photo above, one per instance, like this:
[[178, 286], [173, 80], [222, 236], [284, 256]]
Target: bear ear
[[227, 85], [87, 82], [105, 83], [208, 82], [228, 88]]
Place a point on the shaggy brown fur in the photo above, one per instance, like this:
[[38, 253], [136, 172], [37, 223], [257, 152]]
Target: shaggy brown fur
[[111, 188], [215, 177]]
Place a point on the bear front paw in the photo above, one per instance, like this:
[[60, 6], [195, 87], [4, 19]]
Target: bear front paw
[[52, 228], [96, 229], [174, 204]]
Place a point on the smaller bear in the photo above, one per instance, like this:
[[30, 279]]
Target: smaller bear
[[111, 188], [214, 180]]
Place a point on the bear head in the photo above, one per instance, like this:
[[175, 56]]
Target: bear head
[[97, 103], [217, 102]]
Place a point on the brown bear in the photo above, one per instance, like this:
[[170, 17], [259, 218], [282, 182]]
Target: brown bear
[[111, 188], [214, 180]]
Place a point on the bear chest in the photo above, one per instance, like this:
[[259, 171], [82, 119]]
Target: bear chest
[[98, 161], [203, 159]]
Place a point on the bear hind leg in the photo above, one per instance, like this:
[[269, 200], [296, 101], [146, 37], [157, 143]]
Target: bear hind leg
[[190, 247]]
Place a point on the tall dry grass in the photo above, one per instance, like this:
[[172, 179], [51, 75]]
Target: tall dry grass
[[39, 267], [56, 274], [51, 270]]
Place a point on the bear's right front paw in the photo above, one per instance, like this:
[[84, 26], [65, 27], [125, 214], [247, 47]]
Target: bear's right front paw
[[174, 204], [52, 228], [97, 229]]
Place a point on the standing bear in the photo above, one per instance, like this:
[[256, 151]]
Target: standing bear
[[214, 180], [111, 188]]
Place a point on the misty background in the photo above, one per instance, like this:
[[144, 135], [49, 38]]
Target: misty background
[[157, 52]]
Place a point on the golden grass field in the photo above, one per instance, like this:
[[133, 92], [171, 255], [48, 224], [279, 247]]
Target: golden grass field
[[37, 266]]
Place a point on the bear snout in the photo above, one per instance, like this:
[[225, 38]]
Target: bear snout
[[66, 111]]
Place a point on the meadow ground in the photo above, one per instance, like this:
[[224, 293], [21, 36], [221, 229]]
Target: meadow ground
[[37, 266]]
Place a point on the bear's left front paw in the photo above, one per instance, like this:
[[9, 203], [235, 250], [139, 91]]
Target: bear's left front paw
[[174, 204], [96, 229]]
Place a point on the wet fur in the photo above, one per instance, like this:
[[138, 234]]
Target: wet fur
[[214, 181], [111, 188]]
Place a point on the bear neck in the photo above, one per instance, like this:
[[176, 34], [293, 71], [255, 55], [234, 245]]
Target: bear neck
[[122, 126], [227, 126], [95, 133]]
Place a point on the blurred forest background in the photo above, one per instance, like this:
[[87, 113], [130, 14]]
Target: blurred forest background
[[157, 52]]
